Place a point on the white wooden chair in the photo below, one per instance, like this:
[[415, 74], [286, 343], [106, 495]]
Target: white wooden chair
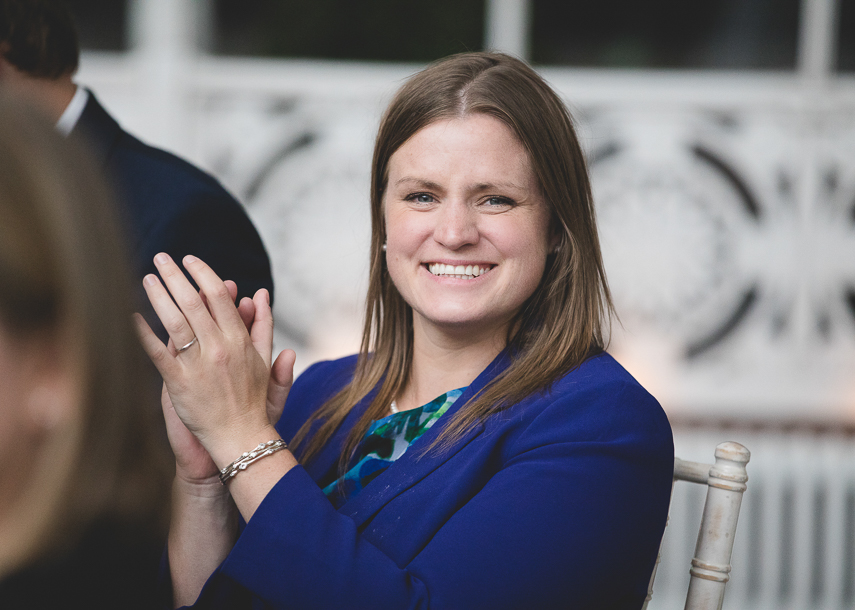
[[725, 481]]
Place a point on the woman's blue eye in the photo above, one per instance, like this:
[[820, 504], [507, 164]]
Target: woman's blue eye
[[499, 201], [420, 198]]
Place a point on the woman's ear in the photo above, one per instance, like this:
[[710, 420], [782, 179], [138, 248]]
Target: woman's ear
[[555, 240]]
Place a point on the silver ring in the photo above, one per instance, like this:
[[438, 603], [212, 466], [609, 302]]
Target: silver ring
[[184, 348]]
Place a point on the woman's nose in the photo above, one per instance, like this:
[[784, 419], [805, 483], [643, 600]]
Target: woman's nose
[[457, 226]]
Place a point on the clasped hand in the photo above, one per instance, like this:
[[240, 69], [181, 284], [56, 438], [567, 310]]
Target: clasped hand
[[220, 391]]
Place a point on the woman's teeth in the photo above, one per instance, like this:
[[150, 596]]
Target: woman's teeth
[[460, 272]]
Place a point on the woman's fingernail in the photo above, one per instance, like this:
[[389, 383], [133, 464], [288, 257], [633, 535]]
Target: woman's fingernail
[[190, 259], [150, 280], [162, 258]]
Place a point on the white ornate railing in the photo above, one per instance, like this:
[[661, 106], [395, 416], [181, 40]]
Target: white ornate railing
[[726, 207], [726, 199]]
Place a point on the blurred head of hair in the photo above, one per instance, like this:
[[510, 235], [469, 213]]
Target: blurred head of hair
[[38, 37], [80, 440]]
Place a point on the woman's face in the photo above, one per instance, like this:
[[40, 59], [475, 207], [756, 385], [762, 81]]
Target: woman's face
[[467, 228], [16, 428], [40, 391]]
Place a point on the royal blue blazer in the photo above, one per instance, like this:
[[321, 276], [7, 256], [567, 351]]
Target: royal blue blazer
[[559, 501]]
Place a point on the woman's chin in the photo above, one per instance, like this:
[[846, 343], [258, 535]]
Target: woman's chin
[[461, 323]]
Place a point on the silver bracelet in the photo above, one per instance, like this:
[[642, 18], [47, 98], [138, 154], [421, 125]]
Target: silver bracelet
[[250, 457]]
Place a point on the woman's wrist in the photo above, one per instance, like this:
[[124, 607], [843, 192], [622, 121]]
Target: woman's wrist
[[232, 445], [208, 488], [249, 486], [203, 530]]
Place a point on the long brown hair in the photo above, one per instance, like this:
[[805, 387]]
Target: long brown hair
[[64, 278], [559, 325]]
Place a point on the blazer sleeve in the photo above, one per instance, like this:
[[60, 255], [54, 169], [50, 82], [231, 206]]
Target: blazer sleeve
[[567, 518]]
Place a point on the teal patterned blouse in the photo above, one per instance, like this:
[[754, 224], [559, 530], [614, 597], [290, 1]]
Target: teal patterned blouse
[[386, 440]]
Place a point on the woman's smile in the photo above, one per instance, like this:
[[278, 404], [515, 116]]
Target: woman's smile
[[459, 271]]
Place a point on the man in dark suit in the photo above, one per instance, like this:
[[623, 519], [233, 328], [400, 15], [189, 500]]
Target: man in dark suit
[[168, 204]]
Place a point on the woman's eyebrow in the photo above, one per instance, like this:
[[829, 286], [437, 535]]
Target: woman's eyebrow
[[478, 187], [428, 184], [490, 186]]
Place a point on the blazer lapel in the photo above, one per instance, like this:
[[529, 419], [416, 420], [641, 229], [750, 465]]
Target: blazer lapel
[[97, 130], [414, 465]]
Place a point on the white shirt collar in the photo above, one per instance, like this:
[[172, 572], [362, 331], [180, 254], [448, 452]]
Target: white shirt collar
[[73, 111]]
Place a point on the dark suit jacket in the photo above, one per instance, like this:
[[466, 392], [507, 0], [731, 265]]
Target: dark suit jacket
[[559, 501], [171, 206]]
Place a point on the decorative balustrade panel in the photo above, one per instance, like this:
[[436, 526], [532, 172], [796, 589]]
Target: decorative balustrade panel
[[729, 240], [302, 169], [727, 225]]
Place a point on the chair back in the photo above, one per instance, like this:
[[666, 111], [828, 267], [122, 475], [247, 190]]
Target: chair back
[[726, 482]]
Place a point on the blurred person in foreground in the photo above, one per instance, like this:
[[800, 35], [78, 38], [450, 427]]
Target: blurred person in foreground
[[482, 450], [167, 204], [84, 485]]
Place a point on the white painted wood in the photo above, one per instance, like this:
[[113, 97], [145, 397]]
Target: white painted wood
[[802, 463], [711, 565], [726, 483], [816, 50], [772, 476], [661, 544], [845, 478], [760, 579], [165, 39], [684, 470], [741, 559], [508, 23], [830, 467]]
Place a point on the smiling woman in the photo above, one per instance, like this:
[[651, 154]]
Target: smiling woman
[[482, 449]]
